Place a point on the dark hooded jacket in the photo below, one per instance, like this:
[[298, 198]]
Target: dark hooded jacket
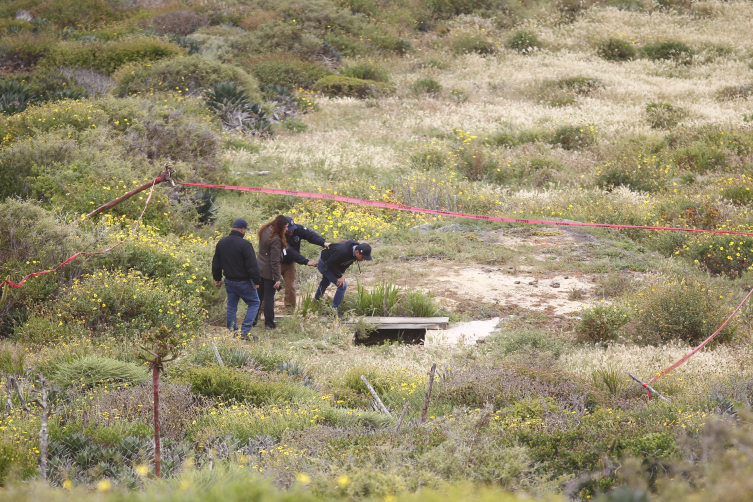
[[339, 257], [235, 256]]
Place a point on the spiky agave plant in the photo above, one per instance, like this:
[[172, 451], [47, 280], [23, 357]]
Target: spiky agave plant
[[234, 107], [15, 97]]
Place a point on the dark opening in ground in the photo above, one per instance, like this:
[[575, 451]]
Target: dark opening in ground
[[379, 336]]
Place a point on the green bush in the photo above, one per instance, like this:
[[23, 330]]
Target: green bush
[[291, 74], [187, 75], [339, 86], [523, 41], [688, 310], [574, 137], [83, 13], [466, 42], [179, 22], [525, 341], [664, 115], [24, 50], [127, 304], [616, 49], [366, 71], [670, 50], [91, 371], [601, 323], [107, 57], [230, 383], [426, 85], [701, 157]]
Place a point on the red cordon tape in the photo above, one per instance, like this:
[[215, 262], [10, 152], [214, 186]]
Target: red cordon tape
[[702, 345], [83, 253], [389, 205]]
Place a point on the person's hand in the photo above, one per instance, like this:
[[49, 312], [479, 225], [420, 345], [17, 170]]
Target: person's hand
[[326, 245], [340, 282], [312, 264], [256, 286], [277, 285], [218, 283]]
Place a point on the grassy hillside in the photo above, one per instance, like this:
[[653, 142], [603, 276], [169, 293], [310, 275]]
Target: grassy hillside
[[622, 112]]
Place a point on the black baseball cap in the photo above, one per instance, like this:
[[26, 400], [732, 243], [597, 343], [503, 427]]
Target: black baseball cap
[[291, 225], [365, 250], [240, 223]]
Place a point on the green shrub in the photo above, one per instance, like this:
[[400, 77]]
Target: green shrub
[[688, 310], [91, 371], [230, 383], [291, 74], [466, 42], [601, 323], [511, 135], [381, 300], [24, 50], [426, 85], [579, 85], [701, 157], [525, 341], [127, 304], [418, 303], [336, 85], [83, 13], [107, 57], [179, 22], [574, 137], [664, 115], [616, 49], [670, 50], [187, 75], [17, 449], [524, 41], [366, 71]]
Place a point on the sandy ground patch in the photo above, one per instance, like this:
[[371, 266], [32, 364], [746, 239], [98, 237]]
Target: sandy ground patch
[[467, 332], [532, 291]]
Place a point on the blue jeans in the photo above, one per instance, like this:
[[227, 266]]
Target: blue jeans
[[327, 279], [235, 291]]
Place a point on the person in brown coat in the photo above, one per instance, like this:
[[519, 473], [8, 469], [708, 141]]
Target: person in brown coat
[[272, 243]]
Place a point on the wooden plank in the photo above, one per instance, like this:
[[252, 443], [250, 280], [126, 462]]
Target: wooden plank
[[416, 325], [406, 320]]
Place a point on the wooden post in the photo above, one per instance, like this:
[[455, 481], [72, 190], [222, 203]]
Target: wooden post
[[428, 393], [402, 415], [43, 431], [379, 403], [217, 354], [157, 443], [645, 386]]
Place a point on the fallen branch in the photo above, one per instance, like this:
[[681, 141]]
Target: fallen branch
[[379, 403], [217, 355]]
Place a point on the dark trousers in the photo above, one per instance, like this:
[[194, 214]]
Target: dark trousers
[[267, 295]]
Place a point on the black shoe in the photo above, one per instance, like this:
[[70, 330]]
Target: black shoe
[[253, 338], [270, 327]]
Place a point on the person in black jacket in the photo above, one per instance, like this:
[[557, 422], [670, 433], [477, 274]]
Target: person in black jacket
[[235, 256], [333, 263], [293, 255]]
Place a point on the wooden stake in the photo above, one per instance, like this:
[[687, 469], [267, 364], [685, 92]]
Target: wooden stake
[[402, 415], [428, 393], [379, 403], [217, 355], [651, 389]]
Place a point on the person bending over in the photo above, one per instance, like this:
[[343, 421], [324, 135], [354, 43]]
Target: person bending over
[[294, 235], [234, 256], [333, 263]]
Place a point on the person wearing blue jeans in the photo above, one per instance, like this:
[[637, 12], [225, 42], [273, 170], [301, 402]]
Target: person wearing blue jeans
[[245, 290], [235, 257], [333, 263]]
